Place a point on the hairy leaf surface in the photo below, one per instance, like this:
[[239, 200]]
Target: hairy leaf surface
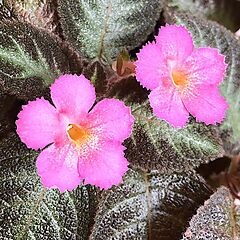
[[102, 28], [219, 218], [6, 11], [28, 211], [149, 206], [30, 60], [154, 144], [37, 12]]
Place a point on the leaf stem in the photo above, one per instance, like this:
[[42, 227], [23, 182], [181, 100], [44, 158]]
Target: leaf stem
[[104, 31]]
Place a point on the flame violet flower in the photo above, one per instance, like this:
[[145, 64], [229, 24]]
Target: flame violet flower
[[183, 80], [84, 145]]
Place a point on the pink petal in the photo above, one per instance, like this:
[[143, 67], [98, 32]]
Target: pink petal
[[175, 43], [111, 119], [57, 167], [151, 69], [39, 124], [73, 96], [104, 166], [206, 104], [167, 105], [205, 66]]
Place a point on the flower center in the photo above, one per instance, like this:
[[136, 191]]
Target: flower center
[[179, 78], [77, 133]]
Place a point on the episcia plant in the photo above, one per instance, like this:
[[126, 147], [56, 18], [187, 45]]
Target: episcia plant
[[110, 114]]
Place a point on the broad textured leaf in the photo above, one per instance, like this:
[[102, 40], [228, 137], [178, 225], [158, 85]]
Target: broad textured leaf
[[149, 206], [154, 144], [208, 33], [37, 12], [30, 59], [102, 28], [219, 219], [6, 11], [28, 211]]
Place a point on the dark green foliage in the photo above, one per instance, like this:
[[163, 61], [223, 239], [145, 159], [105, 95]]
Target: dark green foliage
[[28, 211], [219, 218], [161, 191], [6, 11], [149, 206], [101, 29], [30, 60]]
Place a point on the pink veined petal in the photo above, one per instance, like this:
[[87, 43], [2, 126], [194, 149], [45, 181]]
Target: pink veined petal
[[104, 166], [73, 96], [205, 66], [111, 119], [57, 167], [206, 104], [151, 69], [39, 124], [167, 105], [175, 43]]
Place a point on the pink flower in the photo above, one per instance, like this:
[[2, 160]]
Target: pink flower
[[84, 145], [183, 80]]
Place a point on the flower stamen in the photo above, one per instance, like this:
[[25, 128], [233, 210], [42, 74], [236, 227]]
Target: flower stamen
[[179, 79], [77, 133]]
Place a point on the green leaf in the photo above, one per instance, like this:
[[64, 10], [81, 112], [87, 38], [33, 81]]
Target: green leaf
[[219, 218], [102, 28], [30, 59], [28, 211], [154, 144], [149, 206], [208, 33]]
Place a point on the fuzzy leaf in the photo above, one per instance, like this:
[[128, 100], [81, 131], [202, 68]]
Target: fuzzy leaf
[[30, 60], [149, 206], [219, 219], [154, 144], [37, 12], [28, 211], [102, 28], [208, 33], [6, 11]]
